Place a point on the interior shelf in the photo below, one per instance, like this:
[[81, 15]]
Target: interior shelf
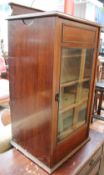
[[74, 82], [62, 110], [67, 132]]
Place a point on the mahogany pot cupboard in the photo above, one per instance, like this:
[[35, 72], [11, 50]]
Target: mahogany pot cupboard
[[52, 63]]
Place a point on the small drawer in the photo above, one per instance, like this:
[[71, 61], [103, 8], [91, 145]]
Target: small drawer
[[103, 149], [91, 163], [95, 169], [77, 34]]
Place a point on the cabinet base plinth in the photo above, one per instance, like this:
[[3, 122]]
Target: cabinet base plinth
[[41, 164]]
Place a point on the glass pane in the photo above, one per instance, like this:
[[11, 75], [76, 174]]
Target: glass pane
[[82, 114], [83, 91], [71, 120], [70, 64], [88, 63], [68, 95], [76, 69], [65, 124]]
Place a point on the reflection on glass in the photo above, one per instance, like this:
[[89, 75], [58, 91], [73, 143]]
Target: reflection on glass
[[71, 120], [83, 91], [88, 63], [76, 69], [68, 95], [65, 124], [70, 64], [82, 114]]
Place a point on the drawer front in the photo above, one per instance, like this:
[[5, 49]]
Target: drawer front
[[102, 163], [77, 34], [94, 161], [95, 169]]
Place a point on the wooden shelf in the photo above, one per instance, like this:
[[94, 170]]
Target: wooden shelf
[[64, 134], [72, 106], [73, 55], [68, 131], [78, 124], [74, 82], [67, 100]]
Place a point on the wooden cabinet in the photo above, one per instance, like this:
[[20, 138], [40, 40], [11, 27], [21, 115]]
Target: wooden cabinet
[[52, 62]]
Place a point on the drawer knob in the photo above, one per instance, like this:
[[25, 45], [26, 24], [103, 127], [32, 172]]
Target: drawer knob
[[91, 163]]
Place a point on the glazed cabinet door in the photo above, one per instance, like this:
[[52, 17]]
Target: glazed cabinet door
[[76, 82], [76, 68]]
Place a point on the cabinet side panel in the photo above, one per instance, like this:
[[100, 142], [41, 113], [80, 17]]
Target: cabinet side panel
[[31, 75]]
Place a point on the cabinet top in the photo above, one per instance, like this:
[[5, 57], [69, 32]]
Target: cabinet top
[[50, 14]]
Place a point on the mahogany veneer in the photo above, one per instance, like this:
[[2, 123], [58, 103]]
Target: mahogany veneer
[[36, 44]]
